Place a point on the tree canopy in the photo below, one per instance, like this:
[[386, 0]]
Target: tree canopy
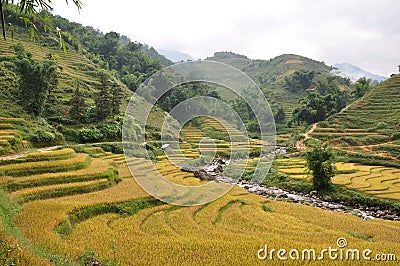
[[36, 79], [320, 162]]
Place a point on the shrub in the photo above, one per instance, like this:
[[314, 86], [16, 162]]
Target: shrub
[[42, 137], [395, 136], [381, 125], [323, 124], [90, 135]]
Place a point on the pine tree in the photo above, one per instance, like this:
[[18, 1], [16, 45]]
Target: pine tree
[[103, 99], [116, 98], [78, 107]]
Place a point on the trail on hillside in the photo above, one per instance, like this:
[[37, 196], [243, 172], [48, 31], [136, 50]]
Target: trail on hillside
[[24, 154], [301, 144]]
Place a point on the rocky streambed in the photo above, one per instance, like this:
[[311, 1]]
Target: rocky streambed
[[214, 171]]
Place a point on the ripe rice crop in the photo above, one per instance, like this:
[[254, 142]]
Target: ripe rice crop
[[97, 169], [81, 160], [59, 190]]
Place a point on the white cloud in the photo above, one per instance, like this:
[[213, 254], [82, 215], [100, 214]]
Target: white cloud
[[364, 33]]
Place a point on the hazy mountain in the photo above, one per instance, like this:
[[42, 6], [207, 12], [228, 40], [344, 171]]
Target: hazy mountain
[[354, 72], [175, 56]]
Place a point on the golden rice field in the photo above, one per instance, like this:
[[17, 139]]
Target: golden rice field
[[380, 181], [228, 231]]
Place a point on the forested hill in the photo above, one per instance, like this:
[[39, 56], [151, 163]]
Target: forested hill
[[77, 95], [132, 61], [290, 82]]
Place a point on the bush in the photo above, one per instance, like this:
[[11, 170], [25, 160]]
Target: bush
[[90, 135], [395, 136], [112, 147], [381, 125], [323, 124], [42, 136], [111, 131]]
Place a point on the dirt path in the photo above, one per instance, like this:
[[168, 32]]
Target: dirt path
[[301, 144], [21, 155]]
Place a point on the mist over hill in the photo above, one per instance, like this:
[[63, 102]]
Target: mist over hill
[[175, 56], [354, 73]]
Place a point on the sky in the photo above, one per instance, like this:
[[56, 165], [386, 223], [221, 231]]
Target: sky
[[363, 33]]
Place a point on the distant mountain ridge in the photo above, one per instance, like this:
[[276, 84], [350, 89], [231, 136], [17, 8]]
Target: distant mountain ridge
[[354, 73], [175, 56]]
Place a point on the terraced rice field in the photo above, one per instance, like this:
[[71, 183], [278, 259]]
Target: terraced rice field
[[295, 168], [54, 174], [229, 230], [73, 64], [10, 135], [64, 218], [230, 141], [382, 182], [370, 125]]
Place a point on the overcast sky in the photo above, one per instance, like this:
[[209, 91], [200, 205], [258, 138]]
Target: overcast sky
[[364, 33]]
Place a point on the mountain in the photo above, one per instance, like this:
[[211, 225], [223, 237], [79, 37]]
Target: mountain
[[175, 56], [354, 73], [272, 77]]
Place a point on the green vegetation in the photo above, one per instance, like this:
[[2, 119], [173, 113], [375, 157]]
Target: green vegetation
[[367, 130], [362, 86], [36, 80], [299, 80], [320, 162], [321, 103]]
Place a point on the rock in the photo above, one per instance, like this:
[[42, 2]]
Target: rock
[[281, 196], [188, 169], [313, 192], [326, 198], [203, 175]]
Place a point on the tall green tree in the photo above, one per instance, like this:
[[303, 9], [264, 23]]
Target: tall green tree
[[362, 86], [116, 98], [320, 161], [36, 80], [78, 107], [280, 115], [103, 98]]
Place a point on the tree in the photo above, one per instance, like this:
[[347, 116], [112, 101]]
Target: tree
[[103, 98], [362, 86], [321, 103], [300, 80], [320, 162], [116, 98], [36, 80], [78, 106], [280, 115]]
